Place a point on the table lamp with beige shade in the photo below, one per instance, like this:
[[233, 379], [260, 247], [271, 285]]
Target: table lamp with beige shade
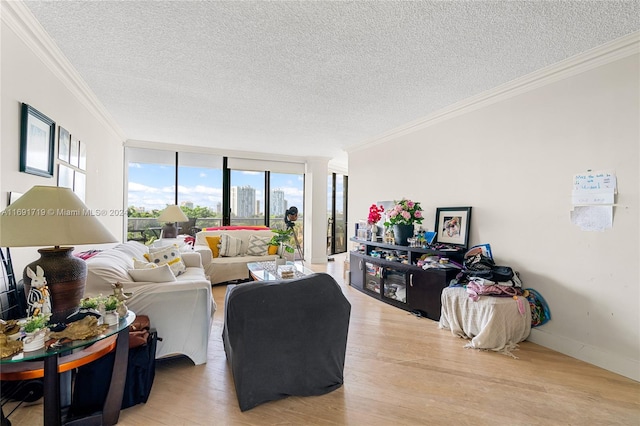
[[171, 214], [54, 216]]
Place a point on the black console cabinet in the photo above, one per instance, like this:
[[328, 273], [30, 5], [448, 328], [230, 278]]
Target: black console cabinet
[[403, 285]]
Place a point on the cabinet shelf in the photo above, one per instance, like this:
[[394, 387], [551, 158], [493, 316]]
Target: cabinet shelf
[[403, 285], [412, 253]]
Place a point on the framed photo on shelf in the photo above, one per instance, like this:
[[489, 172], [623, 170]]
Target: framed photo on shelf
[[64, 144], [452, 225], [37, 142]]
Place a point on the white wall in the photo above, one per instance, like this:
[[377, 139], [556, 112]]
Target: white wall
[[27, 77], [513, 161]]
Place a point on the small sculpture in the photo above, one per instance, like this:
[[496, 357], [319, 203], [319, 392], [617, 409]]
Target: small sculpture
[[38, 299], [119, 293]]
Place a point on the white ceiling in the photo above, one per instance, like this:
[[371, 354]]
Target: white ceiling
[[310, 78]]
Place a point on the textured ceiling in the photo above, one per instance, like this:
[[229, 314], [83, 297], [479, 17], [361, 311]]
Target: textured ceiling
[[309, 78]]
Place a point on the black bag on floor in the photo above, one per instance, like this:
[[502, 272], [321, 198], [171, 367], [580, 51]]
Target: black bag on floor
[[92, 380], [141, 371]]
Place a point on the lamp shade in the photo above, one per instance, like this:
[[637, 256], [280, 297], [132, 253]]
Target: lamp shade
[[52, 216], [173, 213]]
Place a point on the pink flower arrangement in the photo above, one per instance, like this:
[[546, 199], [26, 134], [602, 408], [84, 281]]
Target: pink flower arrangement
[[374, 214], [405, 212]]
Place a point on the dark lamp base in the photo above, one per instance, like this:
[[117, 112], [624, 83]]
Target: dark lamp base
[[66, 277], [169, 230]]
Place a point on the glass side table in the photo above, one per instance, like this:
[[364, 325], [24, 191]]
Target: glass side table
[[51, 363]]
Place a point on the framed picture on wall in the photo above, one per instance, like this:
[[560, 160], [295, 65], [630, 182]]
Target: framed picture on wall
[[65, 176], [80, 184], [37, 142], [82, 156], [452, 225], [74, 155], [64, 144]]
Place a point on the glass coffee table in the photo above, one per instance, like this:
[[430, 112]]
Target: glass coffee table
[[267, 271]]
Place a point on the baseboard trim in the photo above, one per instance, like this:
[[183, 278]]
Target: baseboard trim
[[597, 356]]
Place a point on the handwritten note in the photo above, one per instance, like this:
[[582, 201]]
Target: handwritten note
[[597, 181], [594, 188]]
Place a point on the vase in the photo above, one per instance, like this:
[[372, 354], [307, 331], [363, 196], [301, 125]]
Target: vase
[[401, 233], [66, 276], [374, 233]]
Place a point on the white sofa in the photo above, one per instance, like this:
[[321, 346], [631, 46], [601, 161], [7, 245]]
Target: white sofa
[[181, 310], [221, 269]]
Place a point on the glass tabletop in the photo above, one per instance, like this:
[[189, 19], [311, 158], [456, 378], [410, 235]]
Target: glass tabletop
[[71, 345], [267, 271]]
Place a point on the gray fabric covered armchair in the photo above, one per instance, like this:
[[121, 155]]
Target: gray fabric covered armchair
[[285, 338]]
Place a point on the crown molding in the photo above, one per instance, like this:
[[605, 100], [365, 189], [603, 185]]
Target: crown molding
[[593, 58], [19, 18], [338, 167], [249, 155]]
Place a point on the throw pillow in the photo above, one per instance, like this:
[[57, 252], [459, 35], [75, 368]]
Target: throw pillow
[[160, 274], [214, 245], [169, 255], [140, 264], [273, 250], [258, 245], [230, 246]]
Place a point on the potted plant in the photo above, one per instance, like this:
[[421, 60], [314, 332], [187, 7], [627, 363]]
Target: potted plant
[[402, 216], [282, 239], [373, 219], [89, 303], [103, 307], [35, 329], [111, 317]]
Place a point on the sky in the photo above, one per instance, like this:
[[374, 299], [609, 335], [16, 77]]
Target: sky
[[151, 185]]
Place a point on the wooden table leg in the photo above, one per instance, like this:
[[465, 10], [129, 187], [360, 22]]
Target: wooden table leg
[[113, 403], [52, 413]]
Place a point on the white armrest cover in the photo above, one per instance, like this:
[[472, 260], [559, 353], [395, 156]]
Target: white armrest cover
[[177, 311], [206, 255], [192, 259]]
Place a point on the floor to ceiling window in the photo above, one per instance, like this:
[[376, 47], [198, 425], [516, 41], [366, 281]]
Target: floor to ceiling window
[[257, 192], [200, 190], [286, 191], [150, 188], [337, 213], [247, 197]]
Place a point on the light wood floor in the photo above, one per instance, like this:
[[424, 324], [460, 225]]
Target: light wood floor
[[401, 370]]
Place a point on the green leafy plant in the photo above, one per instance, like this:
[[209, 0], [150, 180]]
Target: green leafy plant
[[111, 303], [89, 303], [36, 323], [282, 238]]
